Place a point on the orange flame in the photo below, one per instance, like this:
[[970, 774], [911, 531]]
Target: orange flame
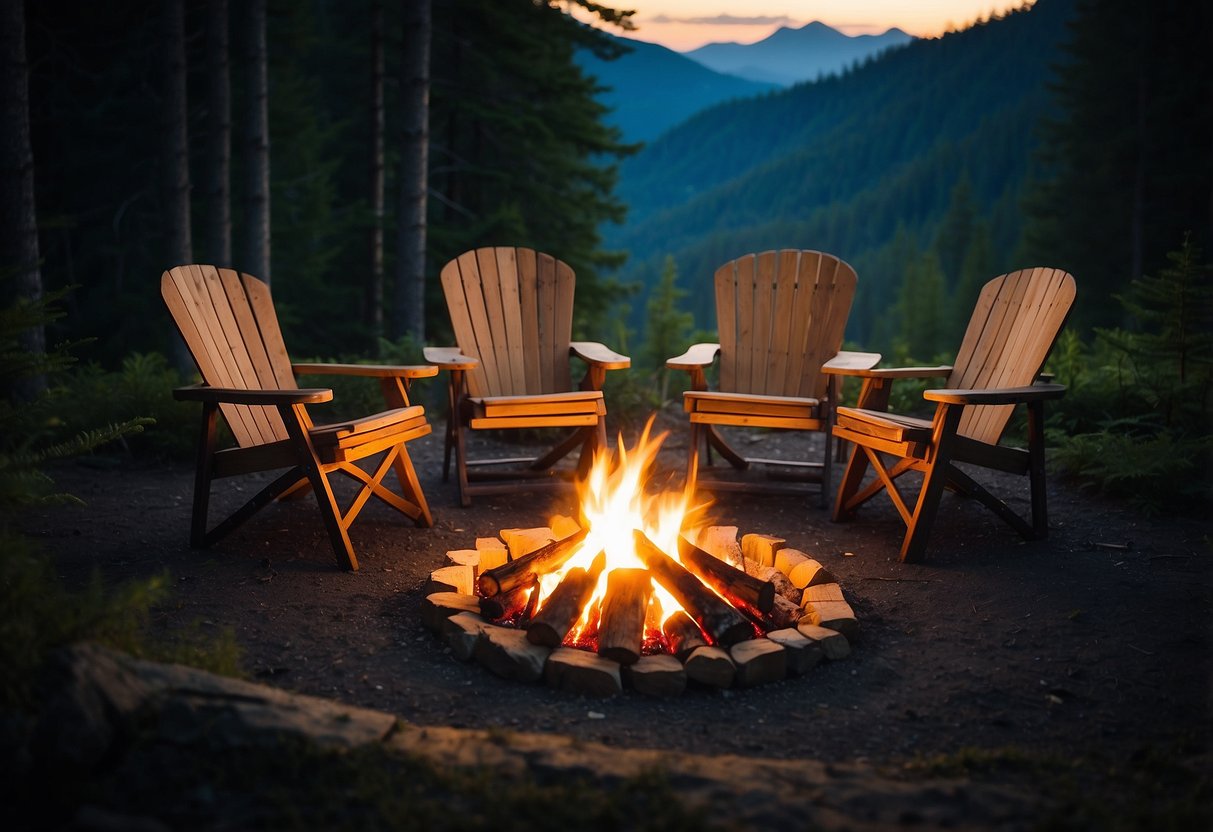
[[614, 502]]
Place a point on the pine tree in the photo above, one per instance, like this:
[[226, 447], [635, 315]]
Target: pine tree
[[667, 326]]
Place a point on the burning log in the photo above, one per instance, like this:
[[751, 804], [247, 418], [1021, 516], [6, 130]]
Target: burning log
[[621, 624], [524, 570], [683, 634], [722, 623], [505, 605], [563, 607], [732, 583]]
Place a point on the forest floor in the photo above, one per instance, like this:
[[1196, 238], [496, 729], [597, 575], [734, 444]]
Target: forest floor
[[1087, 654]]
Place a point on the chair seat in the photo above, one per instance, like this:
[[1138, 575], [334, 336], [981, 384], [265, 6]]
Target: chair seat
[[892, 427], [579, 407], [717, 408], [361, 437]]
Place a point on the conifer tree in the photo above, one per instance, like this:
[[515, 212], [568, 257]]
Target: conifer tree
[[667, 326]]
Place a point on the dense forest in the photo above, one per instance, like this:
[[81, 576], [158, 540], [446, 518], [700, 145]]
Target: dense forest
[[1008, 144]]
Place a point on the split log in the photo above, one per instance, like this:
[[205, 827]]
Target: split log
[[833, 644], [507, 605], [721, 542], [722, 623], [564, 606], [760, 548], [759, 661], [461, 632], [735, 585], [524, 570], [524, 541], [825, 606], [683, 634], [562, 526], [621, 624], [492, 553], [464, 557], [456, 578], [801, 569]]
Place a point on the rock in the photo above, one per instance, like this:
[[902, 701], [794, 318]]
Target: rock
[[661, 675], [711, 666], [758, 662], [802, 653], [582, 672], [439, 605], [461, 631], [506, 652]]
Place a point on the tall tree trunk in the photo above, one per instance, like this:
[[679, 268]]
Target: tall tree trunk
[[174, 132], [18, 217], [414, 162], [373, 312], [257, 147], [219, 156]]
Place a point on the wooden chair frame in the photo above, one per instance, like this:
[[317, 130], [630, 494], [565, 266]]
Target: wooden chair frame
[[780, 317], [228, 322], [1014, 326], [512, 313]]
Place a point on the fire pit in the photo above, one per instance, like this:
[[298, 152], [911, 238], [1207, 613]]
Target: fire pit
[[639, 591]]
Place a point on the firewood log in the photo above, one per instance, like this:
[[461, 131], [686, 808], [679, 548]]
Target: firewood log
[[506, 605], [564, 606], [524, 570], [722, 623], [732, 583], [621, 624], [683, 634]]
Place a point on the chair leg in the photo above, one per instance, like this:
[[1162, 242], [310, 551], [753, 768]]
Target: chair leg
[[410, 486], [461, 462], [852, 477], [693, 457], [202, 474], [934, 479], [1036, 469], [295, 417]]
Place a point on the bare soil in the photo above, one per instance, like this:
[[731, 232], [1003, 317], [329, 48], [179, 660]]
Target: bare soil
[[1095, 642]]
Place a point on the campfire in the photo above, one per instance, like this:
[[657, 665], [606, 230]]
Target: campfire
[[638, 588]]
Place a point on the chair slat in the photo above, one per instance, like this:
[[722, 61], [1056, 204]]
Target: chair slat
[[480, 332], [511, 308], [565, 283], [491, 285], [725, 283], [760, 334], [745, 324], [528, 300], [781, 331], [807, 269], [548, 358], [461, 321]]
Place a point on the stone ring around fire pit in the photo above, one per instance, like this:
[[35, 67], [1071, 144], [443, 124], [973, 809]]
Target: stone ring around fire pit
[[752, 612]]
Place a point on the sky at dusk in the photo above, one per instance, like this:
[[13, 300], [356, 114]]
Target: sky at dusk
[[682, 25]]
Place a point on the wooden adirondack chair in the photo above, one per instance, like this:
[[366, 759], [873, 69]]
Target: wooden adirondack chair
[[1014, 325], [229, 324], [780, 317], [512, 313]]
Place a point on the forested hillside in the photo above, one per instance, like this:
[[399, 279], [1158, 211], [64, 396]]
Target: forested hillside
[[932, 142]]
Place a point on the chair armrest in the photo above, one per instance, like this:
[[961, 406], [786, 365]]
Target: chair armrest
[[367, 370], [449, 358], [697, 357], [892, 372], [1002, 395], [591, 352], [228, 395], [850, 363]]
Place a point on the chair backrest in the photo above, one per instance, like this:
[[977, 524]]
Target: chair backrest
[[1014, 325], [512, 308], [780, 316], [229, 324]]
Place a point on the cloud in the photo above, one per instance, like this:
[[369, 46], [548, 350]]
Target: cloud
[[727, 20]]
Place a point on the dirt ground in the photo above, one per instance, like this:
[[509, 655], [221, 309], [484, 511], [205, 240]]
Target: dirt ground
[[1094, 642]]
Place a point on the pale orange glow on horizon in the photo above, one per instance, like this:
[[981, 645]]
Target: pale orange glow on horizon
[[683, 25]]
